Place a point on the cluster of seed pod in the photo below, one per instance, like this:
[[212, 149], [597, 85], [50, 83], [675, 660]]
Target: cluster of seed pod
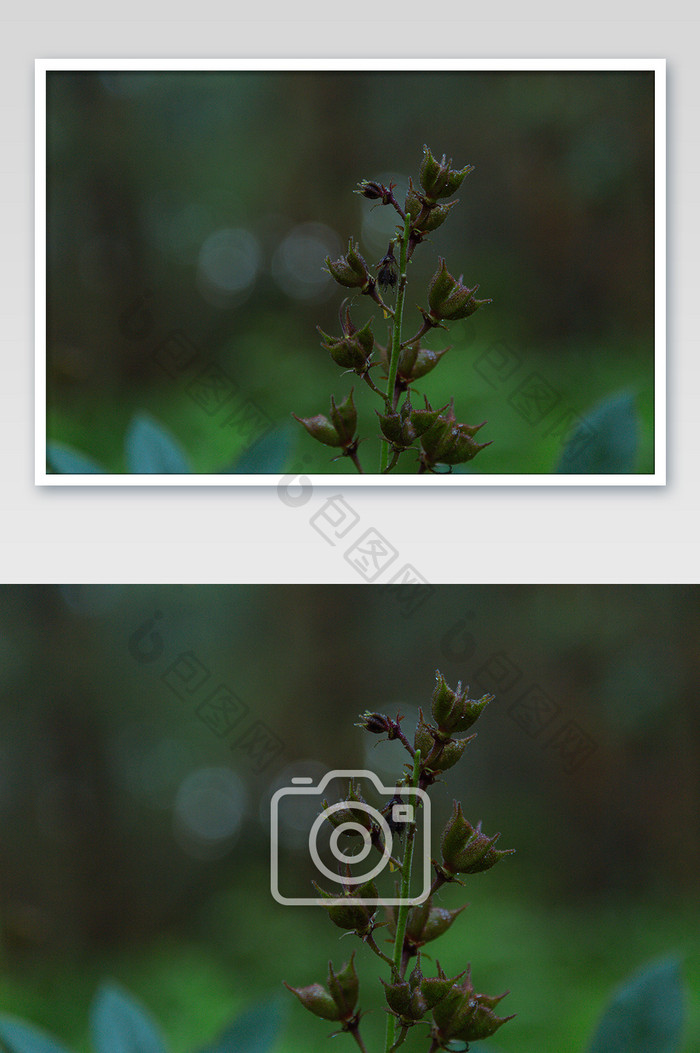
[[449, 1006], [435, 435]]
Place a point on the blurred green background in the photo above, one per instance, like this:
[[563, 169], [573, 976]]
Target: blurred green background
[[189, 214], [134, 824]]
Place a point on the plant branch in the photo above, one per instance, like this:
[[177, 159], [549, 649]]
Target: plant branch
[[354, 1030], [396, 335], [373, 386], [425, 328], [392, 201], [393, 463], [437, 885], [402, 738], [352, 454], [372, 291], [371, 943], [402, 913], [400, 1040]]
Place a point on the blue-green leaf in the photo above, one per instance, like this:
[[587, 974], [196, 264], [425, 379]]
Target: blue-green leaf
[[605, 442], [120, 1024], [67, 461], [19, 1037], [254, 1031], [645, 1014], [268, 456], [152, 450]]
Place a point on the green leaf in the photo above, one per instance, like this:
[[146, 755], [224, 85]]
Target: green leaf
[[120, 1024], [254, 1031], [19, 1037], [268, 456], [645, 1014], [605, 442], [66, 461], [152, 450]]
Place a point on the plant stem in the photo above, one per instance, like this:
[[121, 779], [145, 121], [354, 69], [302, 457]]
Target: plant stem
[[373, 386], [402, 913], [394, 462], [396, 335], [371, 943], [352, 454], [355, 1032], [404, 742]]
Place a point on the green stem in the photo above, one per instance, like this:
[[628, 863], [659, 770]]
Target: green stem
[[396, 335], [393, 463], [372, 944], [373, 386], [402, 914]]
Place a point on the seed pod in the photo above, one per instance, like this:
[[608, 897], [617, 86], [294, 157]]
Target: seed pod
[[317, 1000], [448, 442], [449, 298], [353, 349], [321, 429], [344, 419], [452, 710], [357, 917], [344, 988], [438, 178], [350, 270], [465, 850]]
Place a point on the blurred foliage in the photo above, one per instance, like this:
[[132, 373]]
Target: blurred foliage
[[196, 209], [151, 449], [645, 1014], [120, 1024], [133, 827]]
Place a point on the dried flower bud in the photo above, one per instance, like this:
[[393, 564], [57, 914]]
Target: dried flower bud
[[439, 178], [375, 191], [387, 273], [350, 270], [448, 298], [452, 710], [377, 724], [465, 850]]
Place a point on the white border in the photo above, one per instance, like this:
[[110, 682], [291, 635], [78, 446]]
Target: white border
[[658, 478], [321, 901]]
